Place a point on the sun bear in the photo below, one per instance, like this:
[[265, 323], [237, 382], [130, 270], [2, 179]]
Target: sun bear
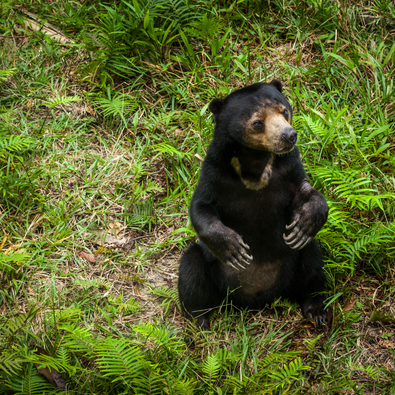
[[254, 212]]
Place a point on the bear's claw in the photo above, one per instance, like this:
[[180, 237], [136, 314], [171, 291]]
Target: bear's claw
[[300, 234], [314, 310]]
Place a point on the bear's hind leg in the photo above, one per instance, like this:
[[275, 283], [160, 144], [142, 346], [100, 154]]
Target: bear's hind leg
[[313, 308], [310, 283], [197, 287]]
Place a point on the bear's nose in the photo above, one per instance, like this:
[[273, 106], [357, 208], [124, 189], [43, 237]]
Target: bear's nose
[[290, 136]]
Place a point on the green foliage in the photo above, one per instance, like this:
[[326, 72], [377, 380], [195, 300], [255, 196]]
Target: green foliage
[[10, 263], [118, 105], [109, 133], [135, 31], [206, 28], [124, 365], [169, 295], [59, 100], [12, 148], [4, 74]]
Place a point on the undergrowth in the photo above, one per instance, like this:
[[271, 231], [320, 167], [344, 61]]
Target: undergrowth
[[103, 129]]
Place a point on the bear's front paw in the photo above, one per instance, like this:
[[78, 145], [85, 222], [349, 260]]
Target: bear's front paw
[[235, 255], [306, 222], [300, 234]]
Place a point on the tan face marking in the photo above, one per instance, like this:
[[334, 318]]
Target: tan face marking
[[265, 177], [268, 138]]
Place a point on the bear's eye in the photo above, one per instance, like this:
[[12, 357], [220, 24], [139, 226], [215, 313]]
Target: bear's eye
[[285, 113], [257, 124]]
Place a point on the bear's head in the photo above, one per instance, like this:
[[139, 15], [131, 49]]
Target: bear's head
[[258, 117]]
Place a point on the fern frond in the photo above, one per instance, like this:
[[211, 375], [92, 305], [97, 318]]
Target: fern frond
[[161, 337], [11, 363], [277, 358], [30, 383], [170, 296], [60, 364], [63, 355], [94, 282], [118, 358], [59, 100], [4, 74], [142, 213], [118, 105], [211, 368], [78, 339], [288, 373], [373, 372], [205, 28], [12, 143]]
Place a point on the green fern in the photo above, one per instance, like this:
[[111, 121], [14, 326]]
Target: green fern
[[205, 28], [106, 40], [61, 100], [11, 363], [277, 358], [93, 282], [118, 105], [163, 338], [211, 368], [78, 339], [287, 374], [11, 144], [30, 383], [374, 372], [119, 359], [141, 214], [169, 295], [165, 148], [4, 74]]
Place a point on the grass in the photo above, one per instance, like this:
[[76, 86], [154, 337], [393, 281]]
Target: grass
[[101, 141]]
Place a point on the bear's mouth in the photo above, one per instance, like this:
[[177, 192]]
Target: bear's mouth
[[284, 150]]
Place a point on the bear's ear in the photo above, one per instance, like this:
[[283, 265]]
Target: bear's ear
[[278, 85], [216, 106]]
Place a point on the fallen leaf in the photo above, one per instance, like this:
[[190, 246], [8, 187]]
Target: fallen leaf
[[116, 227], [3, 242], [12, 248], [350, 304], [90, 111], [88, 257], [53, 376], [387, 344], [105, 237], [29, 104]]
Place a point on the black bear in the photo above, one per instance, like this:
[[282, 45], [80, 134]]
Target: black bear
[[255, 213]]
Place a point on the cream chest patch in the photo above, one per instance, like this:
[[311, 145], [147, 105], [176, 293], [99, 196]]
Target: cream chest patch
[[265, 177]]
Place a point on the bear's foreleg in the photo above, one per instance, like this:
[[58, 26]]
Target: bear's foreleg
[[223, 242]]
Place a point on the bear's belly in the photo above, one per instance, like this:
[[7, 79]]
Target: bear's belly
[[258, 277]]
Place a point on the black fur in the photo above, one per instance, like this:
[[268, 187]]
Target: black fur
[[244, 228]]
